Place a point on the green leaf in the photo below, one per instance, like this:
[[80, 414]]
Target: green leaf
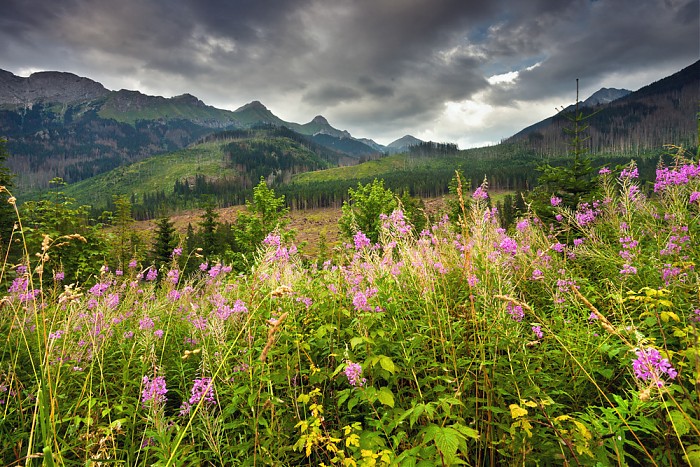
[[679, 422], [387, 364], [447, 442], [355, 341], [466, 431], [386, 397]]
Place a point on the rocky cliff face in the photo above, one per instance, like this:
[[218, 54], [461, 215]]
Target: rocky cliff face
[[48, 86]]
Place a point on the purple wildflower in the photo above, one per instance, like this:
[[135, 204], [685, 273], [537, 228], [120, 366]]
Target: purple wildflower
[[522, 225], [650, 366], [604, 171], [694, 196], [146, 323], [59, 276], [152, 274], [555, 201], [628, 173], [174, 276], [353, 371], [508, 245], [153, 391], [361, 240], [515, 311], [480, 193], [133, 264], [538, 331], [177, 252], [202, 390]]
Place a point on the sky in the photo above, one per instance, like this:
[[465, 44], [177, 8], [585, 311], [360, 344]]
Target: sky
[[471, 72]]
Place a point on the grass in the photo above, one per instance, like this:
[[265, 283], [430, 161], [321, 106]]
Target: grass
[[463, 344], [154, 174]]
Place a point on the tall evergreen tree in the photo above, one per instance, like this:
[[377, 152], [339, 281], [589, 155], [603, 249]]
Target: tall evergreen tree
[[208, 232], [571, 183], [164, 242]]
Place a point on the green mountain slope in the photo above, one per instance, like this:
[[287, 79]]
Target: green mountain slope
[[225, 164]]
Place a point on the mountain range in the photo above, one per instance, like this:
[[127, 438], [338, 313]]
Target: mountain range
[[62, 125]]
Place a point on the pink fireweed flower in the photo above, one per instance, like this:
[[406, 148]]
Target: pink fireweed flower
[[604, 171], [361, 300], [396, 221], [146, 323], [152, 274], [113, 300], [153, 391], [650, 366], [508, 245], [523, 225], [99, 289], [158, 333], [174, 276], [203, 267], [694, 197], [177, 252], [538, 331], [272, 240], [59, 276], [555, 201], [353, 371], [202, 390], [515, 311], [666, 177], [133, 264], [361, 240], [628, 173], [480, 193]]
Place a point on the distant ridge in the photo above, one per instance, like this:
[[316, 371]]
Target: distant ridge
[[402, 144], [664, 112]]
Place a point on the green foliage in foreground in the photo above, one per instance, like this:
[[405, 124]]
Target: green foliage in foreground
[[474, 346]]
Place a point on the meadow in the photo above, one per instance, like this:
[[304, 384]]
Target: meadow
[[570, 341]]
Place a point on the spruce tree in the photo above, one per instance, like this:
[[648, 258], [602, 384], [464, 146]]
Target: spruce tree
[[571, 183], [164, 242]]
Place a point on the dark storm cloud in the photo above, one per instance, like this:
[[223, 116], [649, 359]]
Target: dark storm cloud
[[373, 65]]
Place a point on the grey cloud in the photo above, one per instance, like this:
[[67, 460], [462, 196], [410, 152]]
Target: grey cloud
[[330, 94], [375, 65]]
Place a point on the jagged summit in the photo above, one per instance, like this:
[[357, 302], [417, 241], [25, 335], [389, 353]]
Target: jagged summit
[[605, 96], [48, 86]]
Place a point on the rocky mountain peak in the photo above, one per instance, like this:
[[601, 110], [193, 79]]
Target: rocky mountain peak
[[320, 120], [605, 96], [48, 86]]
